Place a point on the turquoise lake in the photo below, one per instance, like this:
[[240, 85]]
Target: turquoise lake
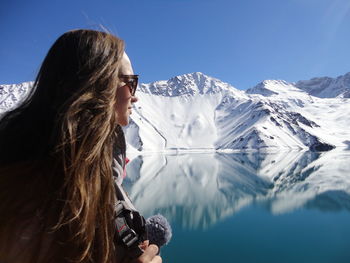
[[248, 207]]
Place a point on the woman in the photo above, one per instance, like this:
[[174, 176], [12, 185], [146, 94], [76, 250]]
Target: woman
[[56, 185]]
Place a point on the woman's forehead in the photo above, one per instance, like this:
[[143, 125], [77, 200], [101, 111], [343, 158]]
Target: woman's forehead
[[125, 66]]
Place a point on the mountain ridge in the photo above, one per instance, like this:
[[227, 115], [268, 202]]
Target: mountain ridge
[[196, 112]]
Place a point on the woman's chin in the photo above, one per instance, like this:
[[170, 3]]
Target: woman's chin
[[123, 122]]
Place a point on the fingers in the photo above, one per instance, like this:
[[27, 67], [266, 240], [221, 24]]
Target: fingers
[[150, 252], [144, 245], [150, 255]]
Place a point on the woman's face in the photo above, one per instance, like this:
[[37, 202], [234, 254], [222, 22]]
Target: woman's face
[[124, 98]]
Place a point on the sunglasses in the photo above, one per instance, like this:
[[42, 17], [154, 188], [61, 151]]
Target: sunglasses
[[131, 81]]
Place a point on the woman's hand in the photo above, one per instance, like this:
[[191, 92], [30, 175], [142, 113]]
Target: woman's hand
[[150, 254]]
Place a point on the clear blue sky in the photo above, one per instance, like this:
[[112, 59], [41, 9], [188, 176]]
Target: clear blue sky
[[238, 41]]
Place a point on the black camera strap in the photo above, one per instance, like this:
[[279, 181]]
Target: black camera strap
[[130, 225]]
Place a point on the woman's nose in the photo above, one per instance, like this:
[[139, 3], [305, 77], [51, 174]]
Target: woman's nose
[[134, 99]]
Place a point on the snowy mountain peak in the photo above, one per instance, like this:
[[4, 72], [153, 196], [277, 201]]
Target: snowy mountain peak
[[12, 95], [273, 87], [198, 77], [187, 84]]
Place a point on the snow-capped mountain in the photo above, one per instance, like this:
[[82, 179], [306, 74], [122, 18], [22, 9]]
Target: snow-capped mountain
[[12, 95], [327, 87], [198, 112]]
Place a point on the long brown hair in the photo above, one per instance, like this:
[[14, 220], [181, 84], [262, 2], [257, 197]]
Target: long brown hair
[[56, 150]]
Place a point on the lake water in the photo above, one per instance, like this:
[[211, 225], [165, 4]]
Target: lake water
[[248, 207]]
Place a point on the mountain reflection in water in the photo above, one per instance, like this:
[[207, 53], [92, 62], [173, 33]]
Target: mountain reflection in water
[[196, 190]]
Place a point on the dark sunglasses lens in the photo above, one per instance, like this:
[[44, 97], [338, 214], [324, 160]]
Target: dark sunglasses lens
[[131, 81], [133, 86]]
